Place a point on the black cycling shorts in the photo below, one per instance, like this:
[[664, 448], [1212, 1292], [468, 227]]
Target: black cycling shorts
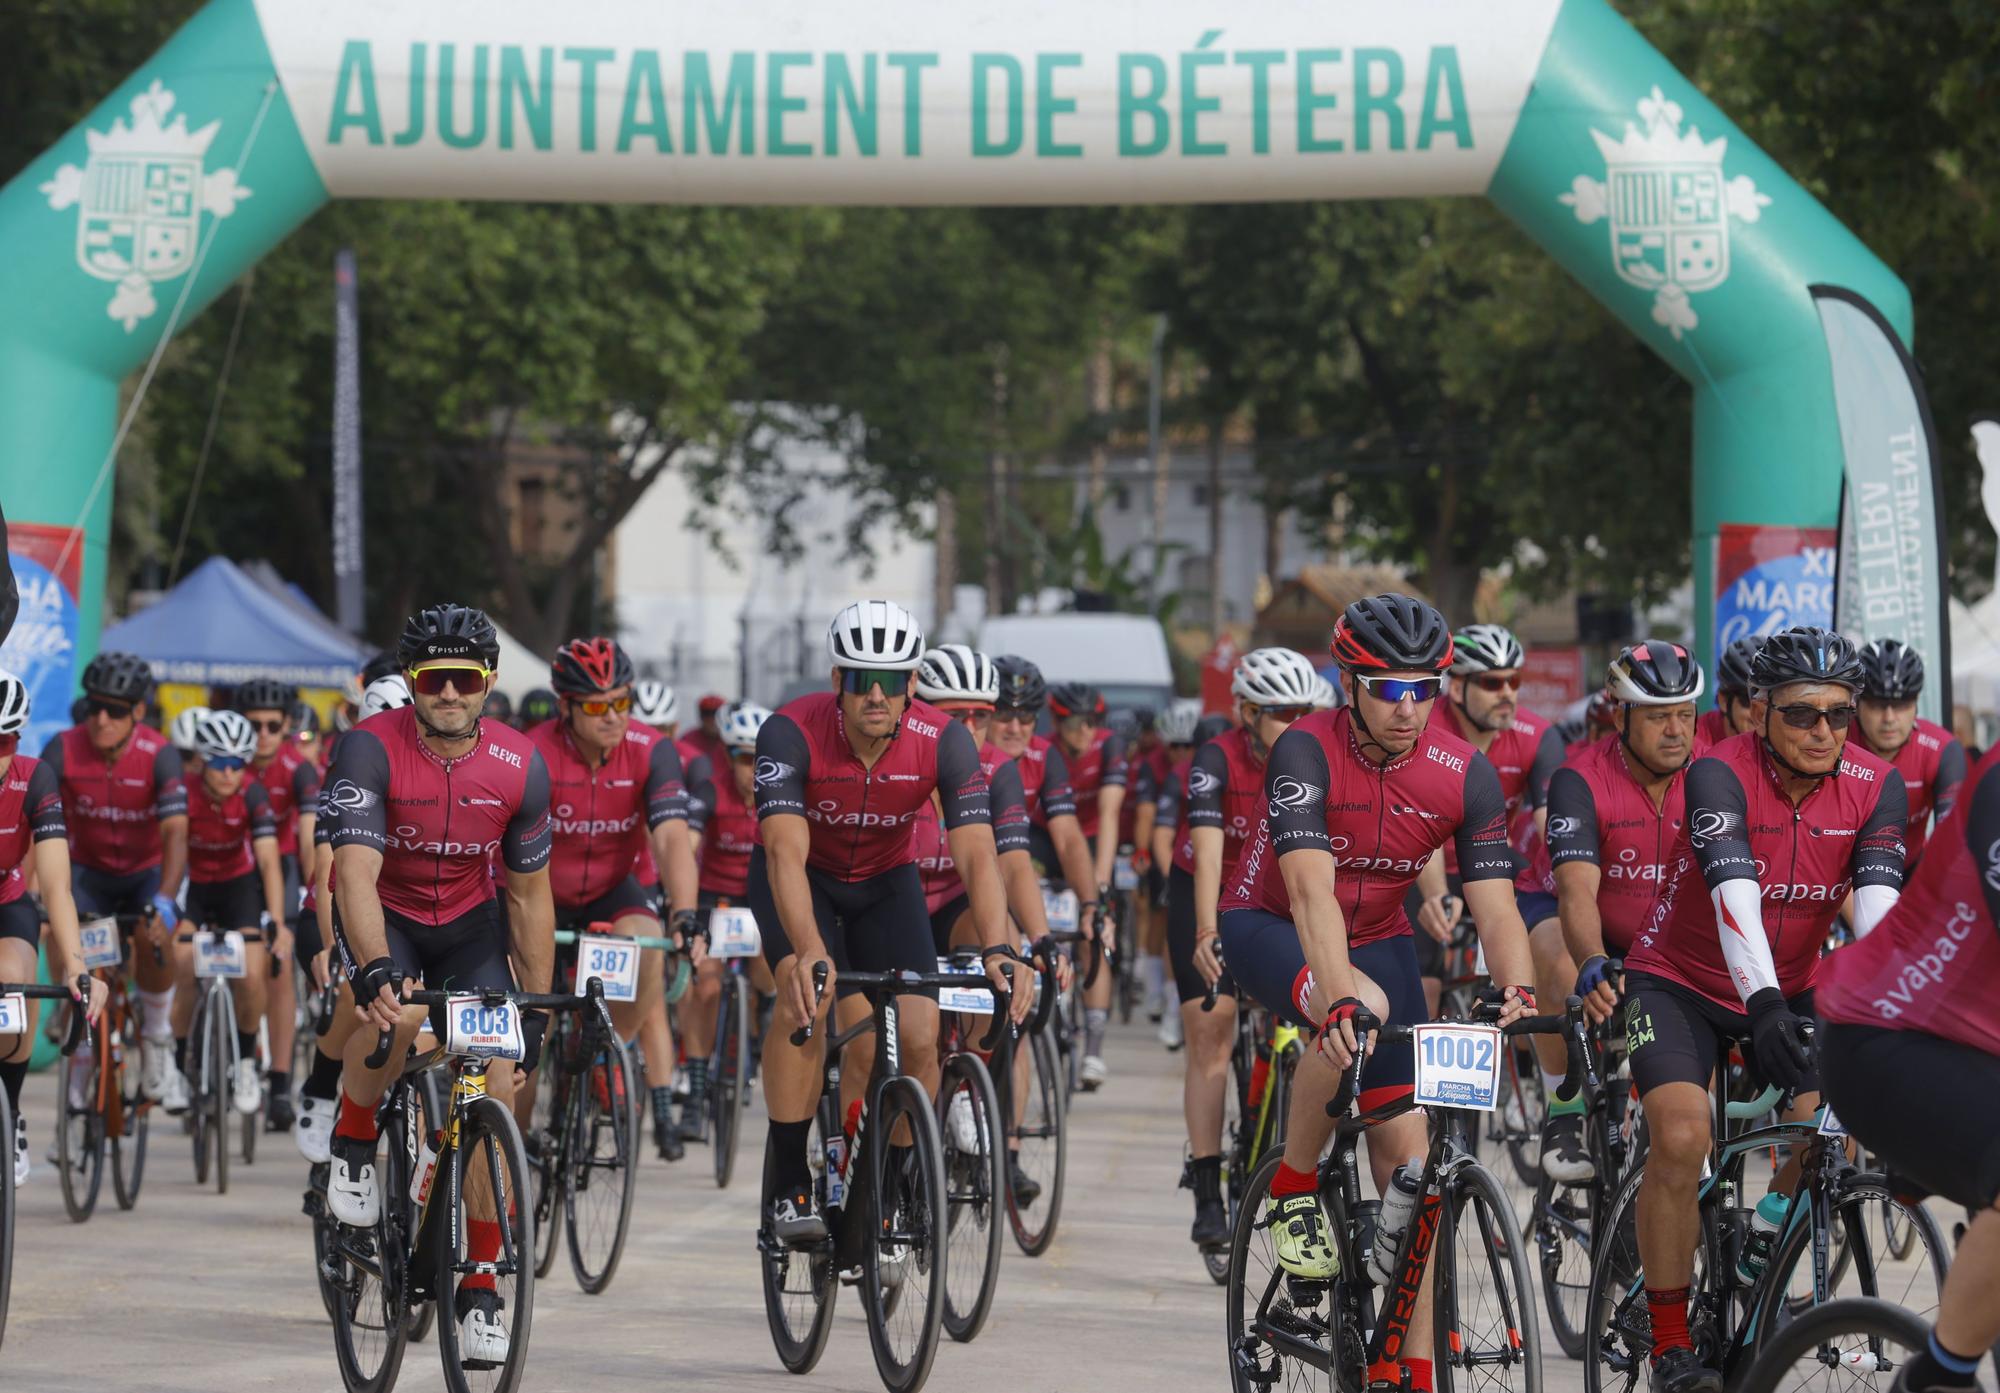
[[98, 892], [220, 905], [880, 924], [288, 871], [1042, 851], [945, 918], [1180, 941], [468, 953], [1537, 907], [624, 898], [1922, 1104], [18, 919], [305, 936], [1674, 1034], [1430, 953]]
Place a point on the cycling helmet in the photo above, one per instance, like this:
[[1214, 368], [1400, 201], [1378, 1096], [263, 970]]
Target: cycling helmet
[[1178, 721], [1143, 719], [652, 702], [181, 732], [1274, 677], [538, 705], [1484, 647], [1654, 674], [1392, 633], [587, 666], [1075, 699], [120, 676], [875, 634], [740, 724], [443, 632], [305, 719], [385, 694], [1326, 696], [955, 673], [1891, 670], [499, 707], [381, 665], [1021, 684], [224, 735], [1600, 710], [1208, 727], [1807, 653], [264, 694], [13, 704], [1732, 673]]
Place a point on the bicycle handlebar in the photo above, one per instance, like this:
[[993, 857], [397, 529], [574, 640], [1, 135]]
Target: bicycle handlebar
[[805, 1032], [43, 991], [591, 995], [1571, 1024]]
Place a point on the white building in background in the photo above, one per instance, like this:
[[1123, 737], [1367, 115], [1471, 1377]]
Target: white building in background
[[744, 621]]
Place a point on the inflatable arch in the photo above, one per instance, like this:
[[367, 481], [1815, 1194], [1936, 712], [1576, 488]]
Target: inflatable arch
[[258, 111]]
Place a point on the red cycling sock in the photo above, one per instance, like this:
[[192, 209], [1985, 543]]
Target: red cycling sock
[[1670, 1319], [482, 1244], [356, 1120], [1420, 1374], [1290, 1182]]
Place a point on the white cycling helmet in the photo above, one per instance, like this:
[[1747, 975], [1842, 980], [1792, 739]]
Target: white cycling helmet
[[1326, 696], [655, 703], [1484, 647], [1177, 722], [876, 634], [385, 694], [1274, 677], [954, 672], [224, 735], [181, 732], [13, 704], [740, 724]]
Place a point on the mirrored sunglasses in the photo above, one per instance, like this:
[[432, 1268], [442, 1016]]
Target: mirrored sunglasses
[[1395, 689], [466, 681]]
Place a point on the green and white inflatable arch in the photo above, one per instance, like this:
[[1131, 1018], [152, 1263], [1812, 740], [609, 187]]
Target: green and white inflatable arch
[[260, 110]]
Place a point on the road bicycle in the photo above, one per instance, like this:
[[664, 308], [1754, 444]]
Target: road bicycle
[[16, 1018], [1258, 1100], [101, 1111], [732, 1065], [1035, 1095], [212, 1055], [973, 1138]]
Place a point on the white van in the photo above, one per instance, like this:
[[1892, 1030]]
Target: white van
[[1122, 655]]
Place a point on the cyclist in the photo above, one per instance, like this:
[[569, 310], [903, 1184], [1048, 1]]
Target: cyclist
[[1928, 756], [1095, 757], [291, 782], [705, 740], [1614, 811], [1326, 696], [1781, 824], [235, 883], [538, 704], [1313, 927], [1146, 766], [1731, 715], [608, 779], [181, 735], [500, 707], [1273, 688], [1055, 838], [414, 899], [841, 776], [1910, 1051], [126, 808], [33, 844], [654, 704]]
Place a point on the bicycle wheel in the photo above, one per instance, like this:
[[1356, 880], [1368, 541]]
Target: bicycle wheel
[[799, 1289], [80, 1139], [902, 1263], [1041, 1127], [603, 1167], [1618, 1326], [6, 1213], [220, 1065], [1848, 1344], [1235, 1163], [1559, 1230], [195, 1120], [968, 1113], [1488, 1334], [1862, 1264], [1280, 1328], [732, 1074], [368, 1269], [1522, 1102], [549, 1124], [489, 1170], [126, 1133]]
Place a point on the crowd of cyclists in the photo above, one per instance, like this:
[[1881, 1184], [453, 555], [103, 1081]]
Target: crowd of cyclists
[[1797, 888]]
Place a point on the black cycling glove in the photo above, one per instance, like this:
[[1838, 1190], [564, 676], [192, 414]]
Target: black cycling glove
[[369, 981], [534, 1025], [1779, 1039]]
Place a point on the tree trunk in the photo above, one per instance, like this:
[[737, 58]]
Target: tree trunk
[[999, 570], [945, 558], [1098, 377], [1215, 607], [1163, 457], [1450, 581]]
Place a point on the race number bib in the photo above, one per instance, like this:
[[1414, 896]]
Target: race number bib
[[101, 947], [613, 960], [14, 1019], [732, 933], [1061, 908], [1123, 877], [973, 1001], [219, 955], [488, 1032], [1458, 1066]]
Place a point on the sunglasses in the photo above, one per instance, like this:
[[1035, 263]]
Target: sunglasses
[[225, 764], [604, 706], [969, 714], [1013, 715], [1395, 689], [859, 681], [105, 706], [9, 744], [1285, 714], [1804, 717], [466, 681], [276, 727], [743, 757], [1494, 682]]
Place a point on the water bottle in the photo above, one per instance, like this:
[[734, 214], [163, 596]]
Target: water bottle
[[425, 1170], [1398, 1203], [836, 1171], [1763, 1234]]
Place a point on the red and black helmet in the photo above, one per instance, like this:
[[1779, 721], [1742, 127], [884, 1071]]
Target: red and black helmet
[[1392, 633], [587, 666], [1076, 699]]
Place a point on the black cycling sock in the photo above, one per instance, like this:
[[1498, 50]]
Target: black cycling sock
[[281, 1083], [1936, 1369], [786, 1171], [663, 1103], [246, 1044], [697, 1077], [323, 1080], [181, 1054], [11, 1076], [1206, 1172]]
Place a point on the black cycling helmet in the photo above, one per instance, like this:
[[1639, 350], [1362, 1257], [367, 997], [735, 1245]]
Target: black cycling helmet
[[1732, 673], [1392, 633], [587, 666], [305, 719], [1143, 718], [1208, 727], [1076, 699], [264, 694], [1891, 670], [1654, 673], [120, 676], [443, 632], [383, 664], [537, 706], [1807, 653], [1021, 685], [498, 706]]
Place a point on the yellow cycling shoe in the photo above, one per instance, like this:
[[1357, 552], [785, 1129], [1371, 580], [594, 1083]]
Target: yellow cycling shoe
[[1304, 1248]]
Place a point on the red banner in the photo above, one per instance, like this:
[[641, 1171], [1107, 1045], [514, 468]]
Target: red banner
[[1551, 679], [1216, 671]]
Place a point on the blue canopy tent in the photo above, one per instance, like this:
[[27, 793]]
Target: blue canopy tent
[[219, 627]]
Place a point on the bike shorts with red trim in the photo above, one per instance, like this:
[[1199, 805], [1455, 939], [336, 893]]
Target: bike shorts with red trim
[[627, 897], [1269, 963], [880, 924]]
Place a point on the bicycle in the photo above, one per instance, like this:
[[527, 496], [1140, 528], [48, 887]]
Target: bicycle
[[1516, 1124], [1261, 1062], [15, 1019], [213, 1054], [1037, 1111], [1284, 1327], [1127, 989], [973, 1142], [1853, 1342], [883, 1202], [733, 1064], [114, 1110]]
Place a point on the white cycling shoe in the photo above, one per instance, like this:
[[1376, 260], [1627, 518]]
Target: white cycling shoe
[[246, 1087], [174, 1095], [963, 1124], [482, 1336], [313, 1132], [353, 1193], [23, 1167], [1094, 1072], [156, 1061]]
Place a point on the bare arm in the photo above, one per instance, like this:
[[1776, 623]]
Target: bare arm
[[1308, 874], [1502, 935], [1110, 803], [1576, 901], [271, 873], [531, 927], [173, 853], [673, 853], [1073, 851], [978, 867]]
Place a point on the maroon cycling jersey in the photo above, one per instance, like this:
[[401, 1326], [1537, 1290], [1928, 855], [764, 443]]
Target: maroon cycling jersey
[[1523, 756], [727, 839], [438, 823], [1380, 821], [1600, 816], [1225, 789], [31, 811], [1101, 766], [291, 781], [599, 814], [114, 807], [1010, 829], [220, 831], [1712, 727], [1932, 764], [1045, 778], [860, 818], [1145, 771], [1933, 961], [1741, 825]]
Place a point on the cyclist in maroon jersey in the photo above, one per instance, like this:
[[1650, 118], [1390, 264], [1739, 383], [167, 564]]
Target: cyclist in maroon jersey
[[1928, 756], [1313, 926], [704, 742], [841, 777], [1910, 1050], [1781, 825], [291, 781], [1145, 766], [1095, 756], [126, 807], [1614, 810], [1055, 837], [1273, 688], [425, 799], [1732, 715], [34, 843], [235, 883], [616, 793]]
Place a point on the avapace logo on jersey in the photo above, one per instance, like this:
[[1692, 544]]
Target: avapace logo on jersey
[[1392, 865], [568, 825], [407, 837], [1993, 865], [1926, 970], [828, 811]]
